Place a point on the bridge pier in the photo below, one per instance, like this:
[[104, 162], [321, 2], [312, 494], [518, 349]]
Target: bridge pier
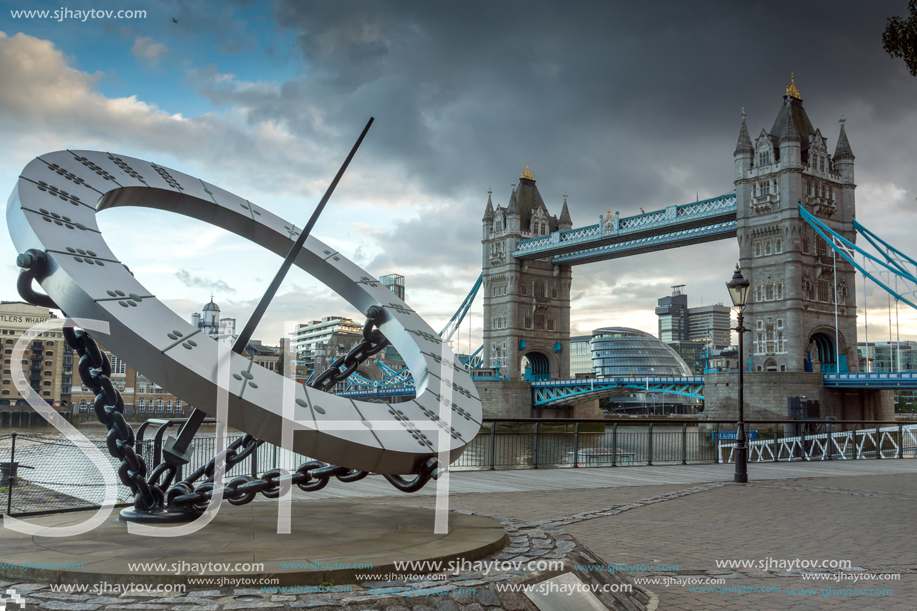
[[766, 397]]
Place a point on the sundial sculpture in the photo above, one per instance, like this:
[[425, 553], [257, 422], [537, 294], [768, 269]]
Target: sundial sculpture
[[51, 216]]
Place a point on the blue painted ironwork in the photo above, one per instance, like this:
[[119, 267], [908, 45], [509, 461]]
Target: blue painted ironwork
[[456, 320], [888, 264], [704, 221], [401, 379], [900, 380], [558, 392]]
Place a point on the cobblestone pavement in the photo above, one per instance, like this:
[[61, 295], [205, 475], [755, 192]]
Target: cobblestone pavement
[[664, 534], [863, 519]]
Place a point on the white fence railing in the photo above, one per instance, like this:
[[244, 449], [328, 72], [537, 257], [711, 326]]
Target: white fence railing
[[888, 441]]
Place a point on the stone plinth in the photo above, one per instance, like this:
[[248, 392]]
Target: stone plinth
[[328, 538]]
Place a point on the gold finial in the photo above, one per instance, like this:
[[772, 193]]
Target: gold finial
[[528, 173], [791, 89]]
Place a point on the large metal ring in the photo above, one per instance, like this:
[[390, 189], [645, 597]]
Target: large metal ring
[[53, 209]]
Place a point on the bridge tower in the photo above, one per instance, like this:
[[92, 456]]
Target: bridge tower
[[791, 307], [526, 303]]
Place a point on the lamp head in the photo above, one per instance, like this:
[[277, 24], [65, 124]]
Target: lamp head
[[738, 288]]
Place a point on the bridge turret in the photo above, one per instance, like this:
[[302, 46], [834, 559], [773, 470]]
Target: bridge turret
[[843, 155], [488, 220], [512, 213], [565, 223], [744, 152], [790, 146]]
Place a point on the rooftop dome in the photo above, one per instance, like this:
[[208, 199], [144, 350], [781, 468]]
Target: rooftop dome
[[211, 307]]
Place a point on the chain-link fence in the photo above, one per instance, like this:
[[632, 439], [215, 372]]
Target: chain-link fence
[[51, 474]]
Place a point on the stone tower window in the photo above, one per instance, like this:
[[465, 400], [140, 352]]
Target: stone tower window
[[539, 321], [524, 288], [764, 158], [539, 288], [778, 245], [554, 292], [821, 247]]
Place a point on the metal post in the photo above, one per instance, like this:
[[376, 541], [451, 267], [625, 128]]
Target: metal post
[[802, 427], [900, 441], [776, 444], [535, 447], [649, 449], [493, 430], [9, 486], [741, 474], [614, 444], [274, 465], [684, 443], [255, 462], [576, 444], [716, 437], [878, 442], [856, 455]]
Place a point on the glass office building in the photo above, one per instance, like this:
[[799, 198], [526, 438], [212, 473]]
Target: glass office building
[[619, 351], [581, 357]]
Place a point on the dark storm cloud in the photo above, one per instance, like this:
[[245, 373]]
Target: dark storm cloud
[[624, 104]]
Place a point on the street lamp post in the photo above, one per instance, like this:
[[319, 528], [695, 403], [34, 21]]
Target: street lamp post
[[738, 291]]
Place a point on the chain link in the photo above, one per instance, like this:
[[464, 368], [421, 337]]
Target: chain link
[[149, 492]]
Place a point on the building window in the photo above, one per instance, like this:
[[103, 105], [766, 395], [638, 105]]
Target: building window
[[539, 321], [758, 250], [47, 374], [117, 365], [550, 324], [178, 405], [764, 158], [84, 407], [159, 405], [821, 247], [767, 247], [554, 292], [778, 245], [524, 289], [527, 322], [169, 406], [142, 386], [49, 353], [539, 288]]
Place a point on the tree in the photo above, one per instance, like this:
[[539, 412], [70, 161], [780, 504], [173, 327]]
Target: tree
[[900, 38]]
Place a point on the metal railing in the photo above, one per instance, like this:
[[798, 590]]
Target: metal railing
[[54, 475]]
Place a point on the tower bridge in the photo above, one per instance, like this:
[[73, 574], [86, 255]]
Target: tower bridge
[[792, 208]]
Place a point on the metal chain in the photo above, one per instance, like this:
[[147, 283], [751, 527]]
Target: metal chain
[[372, 343], [95, 373]]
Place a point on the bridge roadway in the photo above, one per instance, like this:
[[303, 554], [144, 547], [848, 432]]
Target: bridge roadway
[[673, 227], [552, 393]]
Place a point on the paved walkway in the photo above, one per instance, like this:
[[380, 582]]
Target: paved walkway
[[521, 480], [841, 511], [668, 524]]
